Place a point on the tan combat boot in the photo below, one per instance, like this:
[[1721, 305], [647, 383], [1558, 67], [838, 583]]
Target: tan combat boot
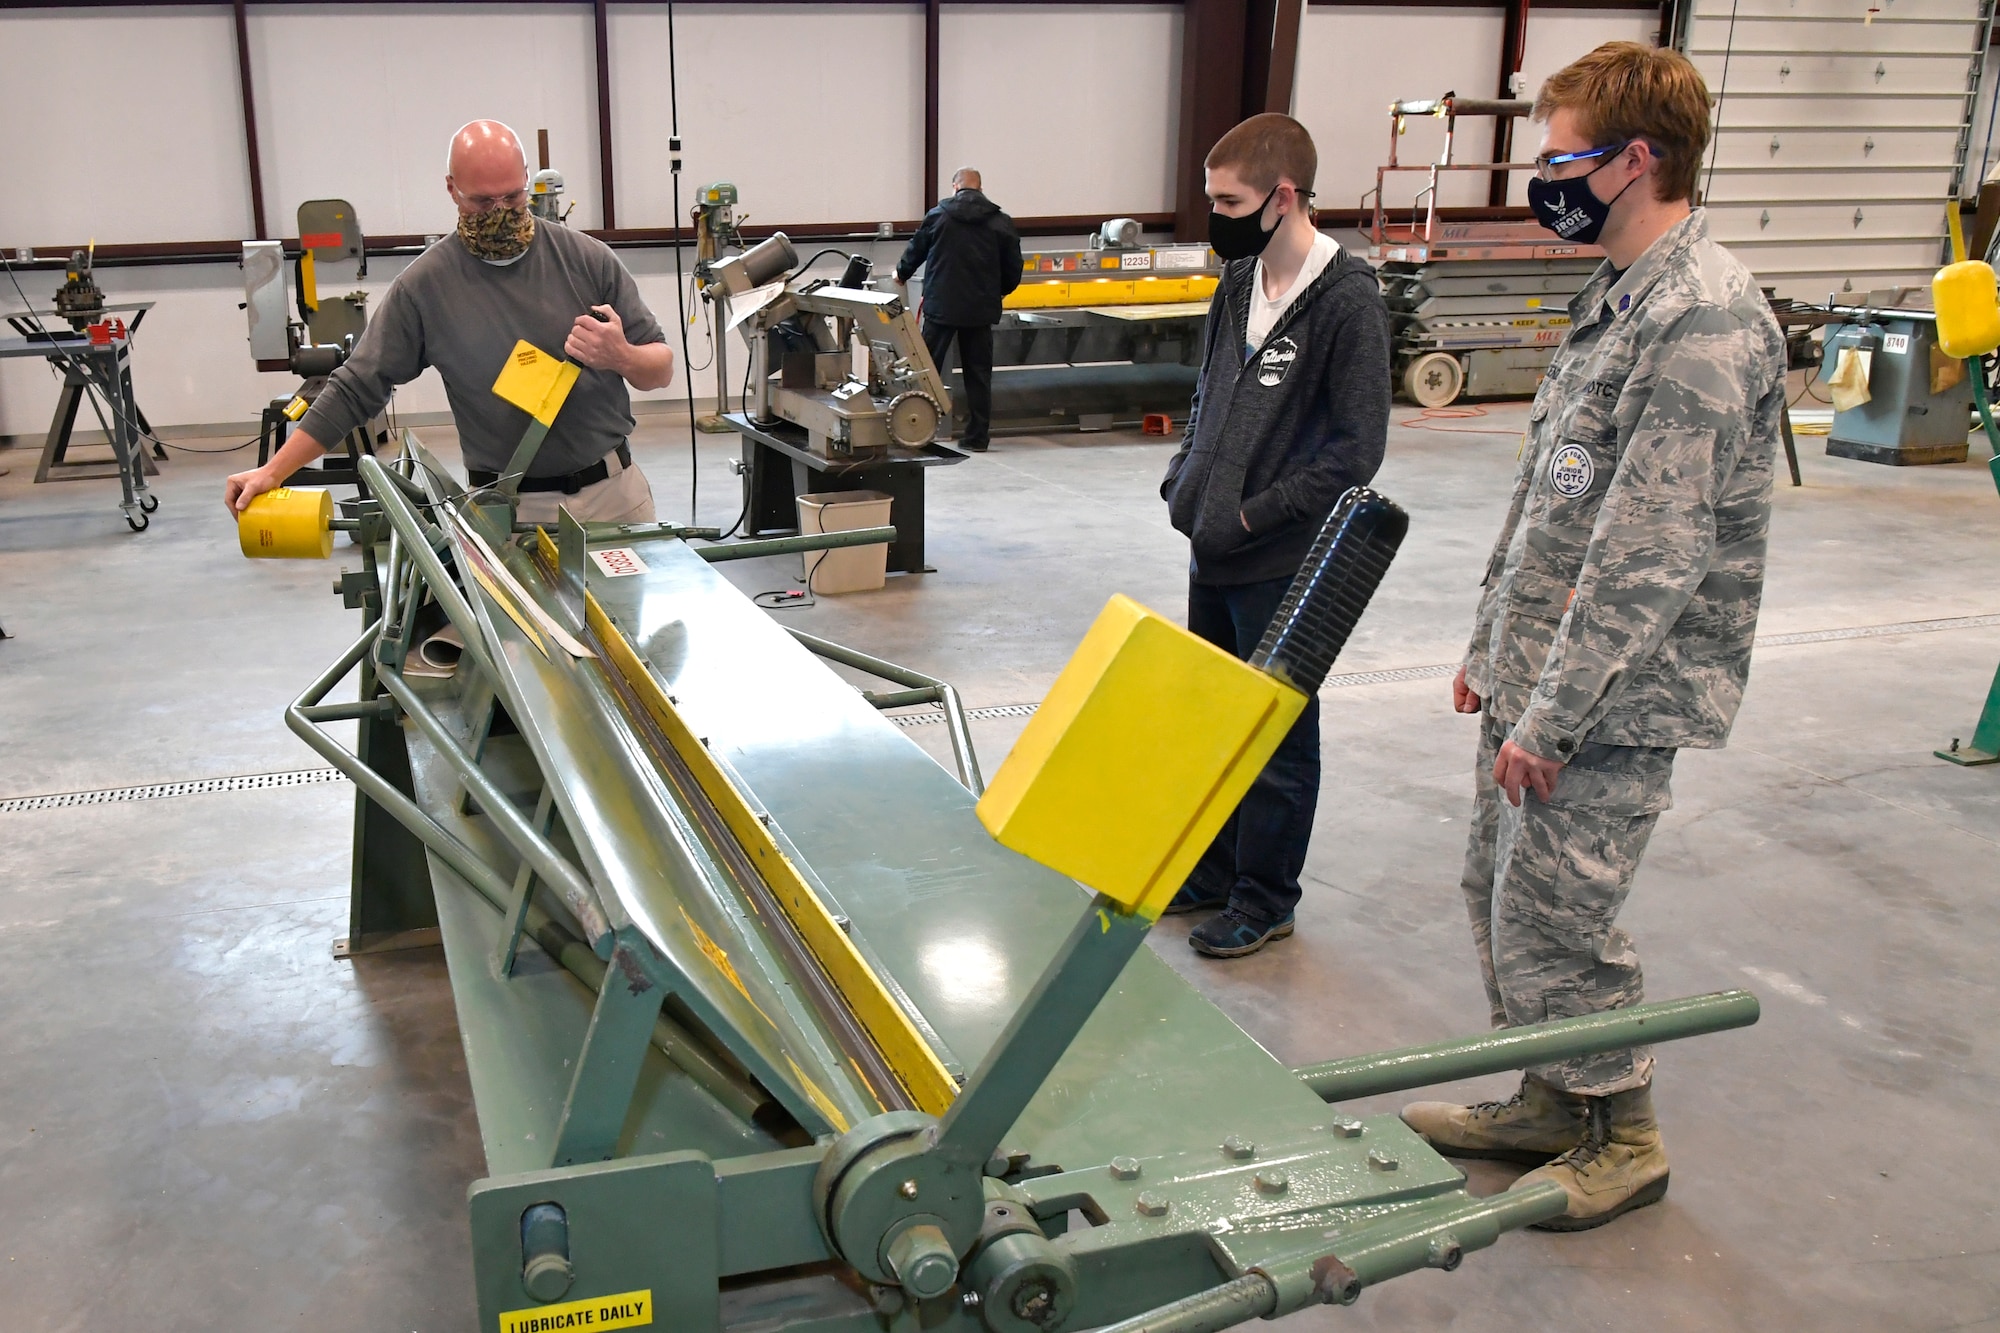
[[1537, 1123], [1620, 1165]]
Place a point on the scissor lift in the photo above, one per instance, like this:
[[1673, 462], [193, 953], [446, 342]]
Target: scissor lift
[[1477, 307]]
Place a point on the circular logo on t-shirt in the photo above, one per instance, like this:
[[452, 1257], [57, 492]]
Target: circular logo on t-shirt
[[1570, 470]]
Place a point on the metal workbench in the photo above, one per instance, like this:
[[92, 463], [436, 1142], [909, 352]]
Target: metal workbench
[[778, 467], [101, 372]]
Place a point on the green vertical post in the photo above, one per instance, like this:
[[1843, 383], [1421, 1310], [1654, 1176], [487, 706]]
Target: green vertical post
[[1985, 747], [524, 892], [1084, 969], [607, 1069]]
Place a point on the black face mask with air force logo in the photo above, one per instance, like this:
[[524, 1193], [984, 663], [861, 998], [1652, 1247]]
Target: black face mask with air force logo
[[1570, 208]]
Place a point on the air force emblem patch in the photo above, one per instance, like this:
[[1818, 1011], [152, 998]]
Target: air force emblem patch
[[1571, 471]]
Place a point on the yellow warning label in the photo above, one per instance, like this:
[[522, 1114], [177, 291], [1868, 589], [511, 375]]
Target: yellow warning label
[[628, 1309], [535, 382]]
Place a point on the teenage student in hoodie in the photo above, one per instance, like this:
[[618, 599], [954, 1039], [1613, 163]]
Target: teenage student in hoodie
[[972, 257], [1292, 409]]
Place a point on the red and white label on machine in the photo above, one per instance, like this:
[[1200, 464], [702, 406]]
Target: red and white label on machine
[[1896, 342], [618, 561]]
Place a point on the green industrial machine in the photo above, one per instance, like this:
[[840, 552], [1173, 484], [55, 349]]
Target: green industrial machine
[[765, 1031]]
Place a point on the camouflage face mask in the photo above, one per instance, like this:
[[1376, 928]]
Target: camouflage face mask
[[498, 233]]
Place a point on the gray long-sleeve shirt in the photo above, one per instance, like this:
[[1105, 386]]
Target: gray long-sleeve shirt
[[463, 315]]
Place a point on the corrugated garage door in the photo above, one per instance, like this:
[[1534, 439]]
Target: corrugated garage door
[[1841, 130]]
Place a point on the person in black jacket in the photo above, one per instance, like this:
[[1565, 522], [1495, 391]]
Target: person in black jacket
[[1292, 409], [971, 257]]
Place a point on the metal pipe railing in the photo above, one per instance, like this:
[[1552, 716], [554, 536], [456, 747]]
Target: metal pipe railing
[[1237, 1301], [808, 541], [555, 869], [1538, 1043], [404, 521], [377, 788], [954, 711]]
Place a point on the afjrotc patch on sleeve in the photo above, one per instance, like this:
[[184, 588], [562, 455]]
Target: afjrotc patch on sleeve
[[1571, 471]]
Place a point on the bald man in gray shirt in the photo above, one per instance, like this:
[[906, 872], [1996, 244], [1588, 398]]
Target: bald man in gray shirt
[[461, 306]]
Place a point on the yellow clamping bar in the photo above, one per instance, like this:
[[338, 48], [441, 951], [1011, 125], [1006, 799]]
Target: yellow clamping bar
[[536, 382], [923, 1076], [1143, 747], [1966, 298], [290, 523]]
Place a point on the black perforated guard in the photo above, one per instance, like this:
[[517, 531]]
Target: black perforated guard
[[1325, 601]]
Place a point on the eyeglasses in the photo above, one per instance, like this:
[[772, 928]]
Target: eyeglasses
[[481, 203], [1546, 164]]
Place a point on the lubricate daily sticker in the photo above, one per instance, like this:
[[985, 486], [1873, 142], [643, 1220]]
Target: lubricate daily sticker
[[1571, 470], [618, 561], [628, 1309]]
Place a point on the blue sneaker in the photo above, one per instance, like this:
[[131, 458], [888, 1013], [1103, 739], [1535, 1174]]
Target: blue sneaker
[[1231, 934], [1194, 898]]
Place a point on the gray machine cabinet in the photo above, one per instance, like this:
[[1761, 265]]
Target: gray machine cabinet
[[1903, 422]]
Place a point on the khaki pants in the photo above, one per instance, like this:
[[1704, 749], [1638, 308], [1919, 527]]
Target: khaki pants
[[623, 497]]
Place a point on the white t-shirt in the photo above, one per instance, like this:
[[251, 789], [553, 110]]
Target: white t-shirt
[[1264, 314]]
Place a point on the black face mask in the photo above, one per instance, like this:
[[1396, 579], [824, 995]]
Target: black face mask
[[1244, 237], [1570, 208]]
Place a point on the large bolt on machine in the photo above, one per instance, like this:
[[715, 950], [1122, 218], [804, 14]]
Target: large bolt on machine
[[773, 1023]]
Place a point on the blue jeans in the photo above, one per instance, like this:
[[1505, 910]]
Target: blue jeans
[[1257, 857]]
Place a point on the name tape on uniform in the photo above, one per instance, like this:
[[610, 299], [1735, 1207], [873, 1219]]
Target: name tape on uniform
[[618, 562], [628, 1309]]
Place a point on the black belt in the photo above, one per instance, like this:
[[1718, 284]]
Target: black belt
[[568, 485]]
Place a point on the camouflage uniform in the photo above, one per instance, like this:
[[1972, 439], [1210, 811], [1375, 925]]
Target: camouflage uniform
[[1616, 623]]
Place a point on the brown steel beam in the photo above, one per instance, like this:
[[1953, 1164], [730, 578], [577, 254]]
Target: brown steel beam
[[604, 182], [933, 24], [1513, 54], [1213, 33], [1271, 55], [250, 122], [202, 252]]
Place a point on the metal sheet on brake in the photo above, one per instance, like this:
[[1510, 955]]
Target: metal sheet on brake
[[648, 860], [961, 923]]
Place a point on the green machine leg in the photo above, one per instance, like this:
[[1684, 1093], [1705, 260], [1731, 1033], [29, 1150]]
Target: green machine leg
[[390, 904], [607, 1070], [1985, 747], [640, 1232]]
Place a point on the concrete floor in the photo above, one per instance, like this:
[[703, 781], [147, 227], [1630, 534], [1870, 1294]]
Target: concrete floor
[[207, 1122]]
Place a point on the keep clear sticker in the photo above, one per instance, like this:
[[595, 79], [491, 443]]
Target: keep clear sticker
[[628, 1309], [617, 562]]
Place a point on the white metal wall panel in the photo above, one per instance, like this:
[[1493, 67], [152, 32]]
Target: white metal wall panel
[[1355, 61], [816, 112], [1555, 38], [125, 126], [1064, 109], [1838, 134], [359, 102]]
